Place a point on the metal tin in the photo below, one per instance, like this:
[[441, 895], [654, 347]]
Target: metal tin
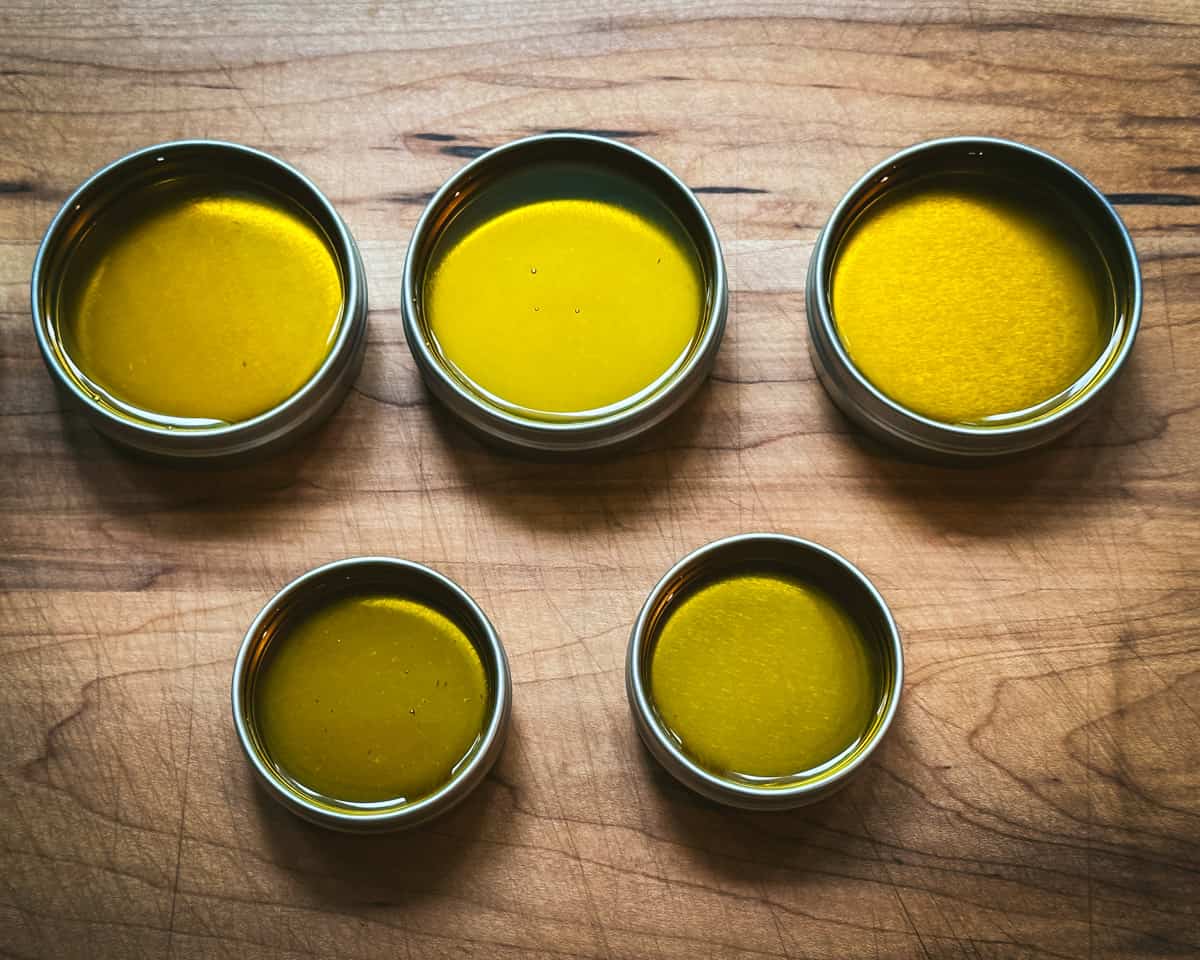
[[528, 434], [809, 562], [300, 412], [404, 578], [911, 432]]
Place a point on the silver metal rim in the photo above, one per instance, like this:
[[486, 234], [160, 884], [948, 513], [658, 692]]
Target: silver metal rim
[[268, 426], [461, 783], [603, 431], [667, 751], [833, 362]]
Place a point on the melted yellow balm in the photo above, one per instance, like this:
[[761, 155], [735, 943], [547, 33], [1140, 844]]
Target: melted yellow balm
[[196, 305], [370, 699], [969, 302], [764, 677], [560, 305]]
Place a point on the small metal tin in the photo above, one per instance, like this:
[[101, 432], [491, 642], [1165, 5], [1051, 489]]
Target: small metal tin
[[811, 563], [105, 189], [403, 578], [910, 431], [528, 434]]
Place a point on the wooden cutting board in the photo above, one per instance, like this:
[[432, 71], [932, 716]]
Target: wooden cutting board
[[1039, 795]]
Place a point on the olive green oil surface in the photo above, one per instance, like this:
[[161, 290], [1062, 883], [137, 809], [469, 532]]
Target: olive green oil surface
[[192, 304], [763, 677], [371, 699], [971, 300], [564, 291]]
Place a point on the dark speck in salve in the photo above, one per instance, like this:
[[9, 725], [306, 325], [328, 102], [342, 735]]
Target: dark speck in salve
[[576, 309], [533, 269]]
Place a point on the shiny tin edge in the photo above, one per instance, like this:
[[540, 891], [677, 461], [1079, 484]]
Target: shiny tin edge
[[538, 436], [908, 430], [462, 609], [723, 554], [273, 428]]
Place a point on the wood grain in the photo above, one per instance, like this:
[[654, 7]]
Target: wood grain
[[1039, 794]]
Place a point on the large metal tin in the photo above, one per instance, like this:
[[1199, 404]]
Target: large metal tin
[[809, 562], [403, 578], [300, 412], [910, 431], [532, 435]]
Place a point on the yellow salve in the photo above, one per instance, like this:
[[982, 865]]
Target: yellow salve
[[563, 292], [763, 677], [194, 304], [969, 301], [371, 698]]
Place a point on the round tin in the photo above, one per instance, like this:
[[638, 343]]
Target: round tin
[[811, 563], [526, 433], [909, 431], [105, 189], [404, 578]]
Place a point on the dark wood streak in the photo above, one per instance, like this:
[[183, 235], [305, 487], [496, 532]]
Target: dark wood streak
[[465, 151], [729, 190], [20, 569], [1154, 199], [416, 198], [1072, 23], [1169, 120], [16, 186]]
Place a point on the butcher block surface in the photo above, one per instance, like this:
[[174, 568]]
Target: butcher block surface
[[1039, 793]]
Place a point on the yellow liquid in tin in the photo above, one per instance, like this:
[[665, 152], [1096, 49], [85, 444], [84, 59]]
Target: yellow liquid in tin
[[763, 677], [371, 698], [194, 305], [563, 305], [970, 303]]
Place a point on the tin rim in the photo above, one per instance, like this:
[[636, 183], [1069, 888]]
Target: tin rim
[[376, 817], [1122, 336], [664, 747], [590, 433], [343, 249]]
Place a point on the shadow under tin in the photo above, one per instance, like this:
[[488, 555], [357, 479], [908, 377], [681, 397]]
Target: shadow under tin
[[804, 562], [315, 591], [1068, 197], [482, 185], [120, 193]]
